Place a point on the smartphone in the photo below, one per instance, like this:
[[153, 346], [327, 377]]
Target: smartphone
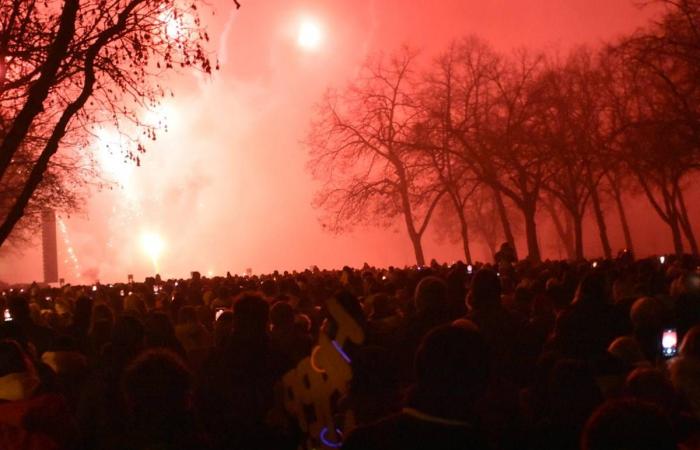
[[219, 312], [7, 316], [470, 269], [669, 343], [94, 288], [121, 293]]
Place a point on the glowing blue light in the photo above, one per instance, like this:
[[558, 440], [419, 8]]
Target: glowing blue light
[[328, 443], [340, 350]]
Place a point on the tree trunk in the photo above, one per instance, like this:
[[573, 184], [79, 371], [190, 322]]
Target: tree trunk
[[533, 248], [564, 236], [668, 212], [600, 220], [464, 231], [684, 220], [676, 233], [578, 235], [463, 226], [629, 244], [503, 214], [417, 248]]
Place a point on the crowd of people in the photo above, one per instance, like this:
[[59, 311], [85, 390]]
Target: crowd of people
[[590, 355]]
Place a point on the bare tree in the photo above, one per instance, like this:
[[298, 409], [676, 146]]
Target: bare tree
[[563, 225], [464, 93], [71, 64], [362, 146], [658, 108], [517, 166], [573, 135], [451, 93]]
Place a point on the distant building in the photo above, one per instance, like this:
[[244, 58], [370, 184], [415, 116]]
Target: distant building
[[49, 246]]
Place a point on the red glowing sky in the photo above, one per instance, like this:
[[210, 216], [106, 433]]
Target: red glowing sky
[[226, 187]]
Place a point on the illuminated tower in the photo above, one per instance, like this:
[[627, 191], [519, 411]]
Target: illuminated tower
[[48, 245]]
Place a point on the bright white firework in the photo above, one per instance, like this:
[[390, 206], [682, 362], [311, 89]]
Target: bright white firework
[[111, 154], [309, 34], [152, 245]]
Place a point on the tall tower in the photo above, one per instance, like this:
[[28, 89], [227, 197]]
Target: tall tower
[[49, 247]]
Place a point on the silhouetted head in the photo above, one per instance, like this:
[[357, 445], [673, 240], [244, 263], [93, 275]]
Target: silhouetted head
[[19, 308], [556, 292], [382, 307], [12, 358], [269, 288], [651, 385], [592, 289], [187, 315], [158, 327], [374, 371], [431, 296], [282, 316], [628, 424], [572, 392], [128, 334], [485, 290], [18, 379], [690, 347], [452, 360], [647, 313], [250, 314], [83, 312], [627, 350], [157, 383], [223, 328]]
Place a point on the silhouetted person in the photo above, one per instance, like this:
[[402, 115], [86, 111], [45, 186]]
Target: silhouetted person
[[451, 372], [160, 333], [628, 424], [82, 318], [29, 420], [373, 392], [506, 255], [39, 336], [571, 395], [100, 414], [501, 329], [586, 328], [685, 369], [236, 391], [432, 308], [286, 338], [157, 387]]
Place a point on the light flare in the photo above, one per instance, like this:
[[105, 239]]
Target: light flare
[[69, 247], [111, 156], [309, 34], [152, 245]]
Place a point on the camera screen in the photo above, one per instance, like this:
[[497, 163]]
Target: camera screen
[[669, 343]]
